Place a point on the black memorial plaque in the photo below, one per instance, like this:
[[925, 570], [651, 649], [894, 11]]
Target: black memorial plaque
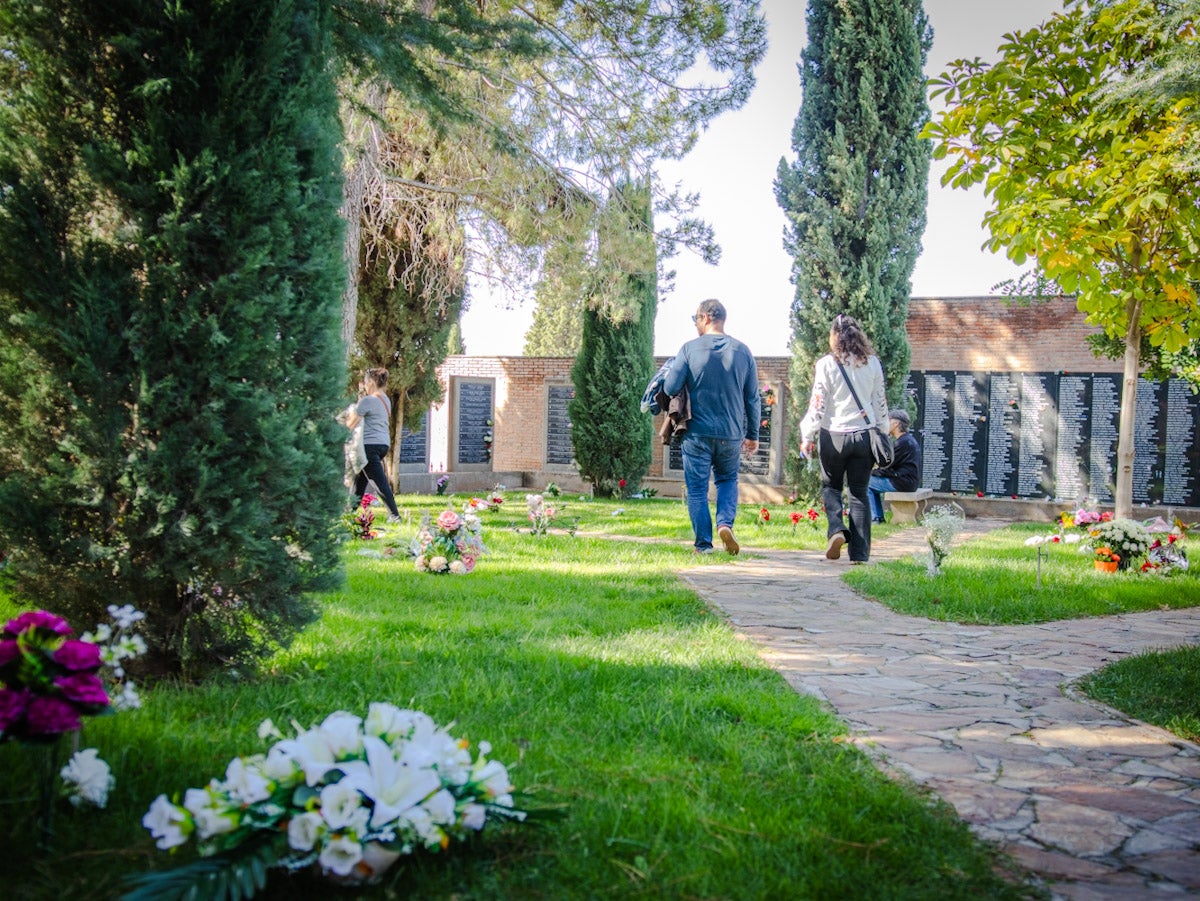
[[1036, 448], [1149, 454], [1004, 416], [760, 463], [474, 416], [936, 428], [968, 452], [559, 449], [1074, 438], [1181, 471], [414, 446], [1102, 450]]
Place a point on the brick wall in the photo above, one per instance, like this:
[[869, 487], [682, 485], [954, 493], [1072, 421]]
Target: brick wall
[[988, 334]]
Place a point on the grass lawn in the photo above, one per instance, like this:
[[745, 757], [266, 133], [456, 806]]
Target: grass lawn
[[688, 768]]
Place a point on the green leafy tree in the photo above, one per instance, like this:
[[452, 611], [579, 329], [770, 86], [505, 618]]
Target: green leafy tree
[[540, 139], [169, 282], [403, 328], [611, 436], [1091, 191], [855, 195]]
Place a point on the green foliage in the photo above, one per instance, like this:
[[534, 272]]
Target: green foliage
[[612, 438], [169, 278], [855, 195], [994, 578]]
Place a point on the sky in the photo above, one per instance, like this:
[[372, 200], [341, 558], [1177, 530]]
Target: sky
[[733, 169]]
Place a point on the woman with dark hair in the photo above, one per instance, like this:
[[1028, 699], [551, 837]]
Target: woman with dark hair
[[374, 411], [835, 429]]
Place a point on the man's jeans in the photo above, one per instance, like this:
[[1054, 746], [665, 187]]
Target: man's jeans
[[718, 457], [876, 488]]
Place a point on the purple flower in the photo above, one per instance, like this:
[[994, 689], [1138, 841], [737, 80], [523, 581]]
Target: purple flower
[[12, 707], [51, 716], [9, 651], [76, 655], [37, 619], [83, 689]]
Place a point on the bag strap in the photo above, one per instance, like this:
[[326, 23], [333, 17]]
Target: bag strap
[[853, 393]]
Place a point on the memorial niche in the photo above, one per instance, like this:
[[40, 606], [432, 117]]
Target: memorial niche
[[414, 445], [474, 422], [970, 432], [559, 450]]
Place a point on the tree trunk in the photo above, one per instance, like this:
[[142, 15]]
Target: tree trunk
[[397, 435], [362, 155], [1123, 508]]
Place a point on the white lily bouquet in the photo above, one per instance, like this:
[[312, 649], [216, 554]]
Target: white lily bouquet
[[348, 797], [942, 524]]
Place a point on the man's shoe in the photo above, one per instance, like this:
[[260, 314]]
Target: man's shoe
[[833, 550], [726, 535], [702, 550]]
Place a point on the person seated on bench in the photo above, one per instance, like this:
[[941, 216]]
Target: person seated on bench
[[905, 472]]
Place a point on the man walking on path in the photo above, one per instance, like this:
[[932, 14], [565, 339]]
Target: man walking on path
[[721, 377]]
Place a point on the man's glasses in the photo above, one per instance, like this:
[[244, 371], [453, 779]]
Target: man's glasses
[[699, 316]]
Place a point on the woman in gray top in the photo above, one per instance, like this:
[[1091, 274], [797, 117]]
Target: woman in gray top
[[374, 411]]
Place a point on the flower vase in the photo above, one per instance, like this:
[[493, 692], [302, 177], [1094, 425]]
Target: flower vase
[[376, 860], [1106, 566]]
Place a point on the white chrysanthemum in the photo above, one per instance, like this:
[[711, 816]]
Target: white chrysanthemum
[[340, 854], [304, 829], [440, 806], [245, 782], [457, 567], [88, 777], [474, 816], [211, 813], [387, 721], [339, 802], [421, 564], [438, 564], [343, 733], [128, 698], [168, 823]]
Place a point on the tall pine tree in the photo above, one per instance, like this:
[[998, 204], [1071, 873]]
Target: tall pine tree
[[612, 438], [855, 195], [170, 274]]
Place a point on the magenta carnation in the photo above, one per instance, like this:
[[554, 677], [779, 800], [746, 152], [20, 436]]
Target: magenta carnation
[[83, 689], [9, 651], [78, 655], [12, 706], [51, 716], [37, 619]]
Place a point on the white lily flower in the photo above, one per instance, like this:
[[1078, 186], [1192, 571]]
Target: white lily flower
[[340, 854], [304, 829], [493, 776], [393, 785], [168, 823], [310, 752], [387, 721], [89, 777]]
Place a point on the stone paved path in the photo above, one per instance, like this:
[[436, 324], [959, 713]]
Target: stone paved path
[[1098, 806]]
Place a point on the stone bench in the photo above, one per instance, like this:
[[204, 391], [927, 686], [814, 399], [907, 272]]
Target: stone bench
[[907, 505]]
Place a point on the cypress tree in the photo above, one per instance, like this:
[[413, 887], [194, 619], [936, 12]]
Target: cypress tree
[[856, 193], [612, 438], [170, 275]]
